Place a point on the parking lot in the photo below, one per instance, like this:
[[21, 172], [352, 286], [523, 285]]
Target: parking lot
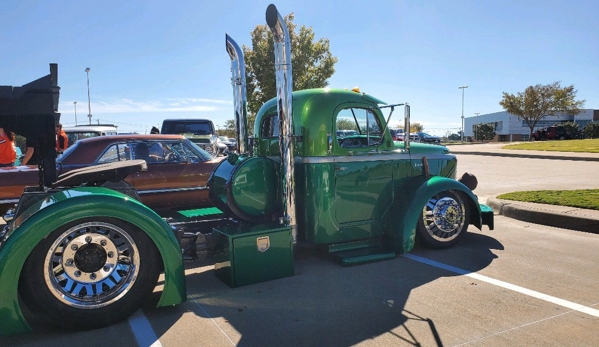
[[520, 284]]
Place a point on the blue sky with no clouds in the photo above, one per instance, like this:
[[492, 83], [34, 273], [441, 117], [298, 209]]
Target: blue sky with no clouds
[[152, 60]]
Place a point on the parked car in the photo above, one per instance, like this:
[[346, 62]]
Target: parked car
[[556, 132], [397, 134], [200, 131], [344, 133], [176, 177], [427, 138], [230, 142], [79, 132]]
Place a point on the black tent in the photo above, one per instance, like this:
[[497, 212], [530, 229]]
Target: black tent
[[32, 111]]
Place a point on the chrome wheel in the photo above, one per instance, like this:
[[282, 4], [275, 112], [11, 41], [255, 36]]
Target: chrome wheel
[[444, 220], [91, 265], [90, 273]]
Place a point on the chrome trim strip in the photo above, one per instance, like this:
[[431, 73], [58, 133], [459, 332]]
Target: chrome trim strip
[[154, 191], [369, 158]]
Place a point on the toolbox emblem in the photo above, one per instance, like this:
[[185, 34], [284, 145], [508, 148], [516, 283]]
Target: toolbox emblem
[[263, 243]]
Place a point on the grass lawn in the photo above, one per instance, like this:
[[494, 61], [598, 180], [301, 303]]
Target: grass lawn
[[585, 198], [586, 145]]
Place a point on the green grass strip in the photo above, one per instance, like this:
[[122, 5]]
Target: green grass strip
[[583, 198], [584, 146]]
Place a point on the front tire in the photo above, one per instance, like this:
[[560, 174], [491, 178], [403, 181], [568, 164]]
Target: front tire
[[90, 273], [444, 220]]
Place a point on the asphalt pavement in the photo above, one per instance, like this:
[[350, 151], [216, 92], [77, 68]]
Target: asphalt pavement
[[551, 215]]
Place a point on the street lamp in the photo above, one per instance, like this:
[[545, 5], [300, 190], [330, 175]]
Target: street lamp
[[89, 104], [75, 103], [462, 88]]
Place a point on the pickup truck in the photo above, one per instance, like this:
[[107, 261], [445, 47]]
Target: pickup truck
[[83, 252], [555, 132]]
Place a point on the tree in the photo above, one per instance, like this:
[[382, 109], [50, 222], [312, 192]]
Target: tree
[[346, 124], [312, 64], [416, 127], [571, 129], [591, 130], [484, 132], [540, 101]]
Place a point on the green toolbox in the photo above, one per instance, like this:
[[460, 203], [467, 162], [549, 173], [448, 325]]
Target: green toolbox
[[253, 253]]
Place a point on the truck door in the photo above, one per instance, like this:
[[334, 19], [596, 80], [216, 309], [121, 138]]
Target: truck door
[[363, 173]]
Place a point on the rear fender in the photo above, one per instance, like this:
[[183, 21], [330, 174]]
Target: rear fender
[[41, 219], [408, 205]]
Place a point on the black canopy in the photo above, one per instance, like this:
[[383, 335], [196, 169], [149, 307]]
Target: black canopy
[[32, 111]]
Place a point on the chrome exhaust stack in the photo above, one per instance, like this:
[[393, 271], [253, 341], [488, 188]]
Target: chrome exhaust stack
[[239, 93], [283, 71]]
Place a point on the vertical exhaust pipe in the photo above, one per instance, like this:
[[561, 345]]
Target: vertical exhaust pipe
[[239, 93], [282, 47]]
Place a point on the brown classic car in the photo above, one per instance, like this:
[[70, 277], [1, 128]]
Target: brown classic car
[[176, 177]]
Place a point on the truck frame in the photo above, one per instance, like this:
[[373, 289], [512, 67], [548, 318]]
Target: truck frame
[[81, 251]]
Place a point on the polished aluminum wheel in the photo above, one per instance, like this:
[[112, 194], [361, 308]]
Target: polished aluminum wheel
[[91, 265], [444, 217]]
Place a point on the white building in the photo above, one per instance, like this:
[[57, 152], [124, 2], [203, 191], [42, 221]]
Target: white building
[[509, 128]]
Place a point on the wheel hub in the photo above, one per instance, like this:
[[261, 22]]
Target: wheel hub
[[90, 258], [447, 214]]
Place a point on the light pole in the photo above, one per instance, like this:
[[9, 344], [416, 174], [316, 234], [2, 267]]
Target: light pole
[[462, 88], [89, 104], [75, 103]]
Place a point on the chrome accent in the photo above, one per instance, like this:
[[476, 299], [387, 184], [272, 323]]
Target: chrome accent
[[9, 201], [158, 191], [444, 218], [91, 265], [406, 136], [368, 158], [284, 78], [239, 93]]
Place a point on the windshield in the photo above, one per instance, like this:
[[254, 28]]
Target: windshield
[[196, 128]]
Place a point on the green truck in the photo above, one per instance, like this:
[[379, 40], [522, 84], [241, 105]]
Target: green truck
[[82, 252]]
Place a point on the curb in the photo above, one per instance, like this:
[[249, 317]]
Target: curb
[[546, 215], [537, 156]]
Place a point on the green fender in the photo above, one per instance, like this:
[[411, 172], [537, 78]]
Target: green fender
[[63, 207], [408, 205]]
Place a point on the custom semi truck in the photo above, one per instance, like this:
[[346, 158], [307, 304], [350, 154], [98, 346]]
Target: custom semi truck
[[81, 251]]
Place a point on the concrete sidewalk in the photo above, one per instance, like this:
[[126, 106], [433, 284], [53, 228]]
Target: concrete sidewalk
[[494, 149], [550, 215]]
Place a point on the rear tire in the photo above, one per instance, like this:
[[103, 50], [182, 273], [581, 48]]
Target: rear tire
[[90, 273], [444, 220]]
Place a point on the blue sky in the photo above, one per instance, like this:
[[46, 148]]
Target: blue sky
[[153, 60]]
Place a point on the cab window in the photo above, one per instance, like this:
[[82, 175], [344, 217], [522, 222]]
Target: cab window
[[357, 127], [270, 126]]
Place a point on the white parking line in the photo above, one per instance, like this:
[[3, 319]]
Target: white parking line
[[538, 295], [142, 330]]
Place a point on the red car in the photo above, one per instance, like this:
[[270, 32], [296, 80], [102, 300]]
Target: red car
[[176, 177]]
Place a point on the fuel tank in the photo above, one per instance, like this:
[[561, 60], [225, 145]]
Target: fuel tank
[[247, 188]]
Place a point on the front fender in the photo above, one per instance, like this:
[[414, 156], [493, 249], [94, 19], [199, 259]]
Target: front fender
[[60, 208], [408, 205]]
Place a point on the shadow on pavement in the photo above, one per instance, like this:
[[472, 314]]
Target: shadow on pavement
[[326, 304]]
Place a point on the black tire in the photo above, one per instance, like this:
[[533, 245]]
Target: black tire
[[90, 273], [444, 220]]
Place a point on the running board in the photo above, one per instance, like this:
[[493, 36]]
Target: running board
[[360, 252]]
